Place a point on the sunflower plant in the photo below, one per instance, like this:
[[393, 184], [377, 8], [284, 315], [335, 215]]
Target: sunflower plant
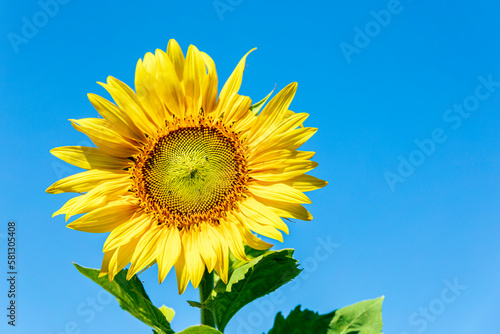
[[186, 177]]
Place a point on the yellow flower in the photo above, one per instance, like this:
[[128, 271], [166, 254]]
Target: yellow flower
[[180, 177]]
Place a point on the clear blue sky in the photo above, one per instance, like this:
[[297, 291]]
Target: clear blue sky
[[429, 74]]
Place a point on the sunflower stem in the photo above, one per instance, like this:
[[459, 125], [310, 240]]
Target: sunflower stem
[[206, 287]]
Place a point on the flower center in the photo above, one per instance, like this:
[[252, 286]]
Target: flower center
[[190, 170], [191, 175]]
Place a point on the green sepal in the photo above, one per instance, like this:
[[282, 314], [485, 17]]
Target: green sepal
[[132, 298], [249, 281], [255, 108], [361, 318]]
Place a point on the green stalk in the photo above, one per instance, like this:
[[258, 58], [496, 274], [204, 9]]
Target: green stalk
[[206, 286]]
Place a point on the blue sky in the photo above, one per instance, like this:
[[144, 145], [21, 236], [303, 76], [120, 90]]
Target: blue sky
[[406, 96]]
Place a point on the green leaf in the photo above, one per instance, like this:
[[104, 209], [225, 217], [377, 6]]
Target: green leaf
[[132, 298], [249, 252], [302, 322], [250, 281], [195, 304], [201, 329], [235, 263], [168, 312], [255, 108], [361, 318]]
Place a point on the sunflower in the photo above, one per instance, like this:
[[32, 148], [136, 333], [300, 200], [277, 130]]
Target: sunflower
[[181, 177]]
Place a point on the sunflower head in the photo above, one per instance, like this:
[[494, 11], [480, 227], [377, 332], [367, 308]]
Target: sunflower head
[[181, 175]]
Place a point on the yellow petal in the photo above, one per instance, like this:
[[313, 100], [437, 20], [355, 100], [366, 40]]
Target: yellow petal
[[291, 122], [85, 181], [306, 183], [210, 83], [266, 215], [121, 235], [104, 219], [175, 54], [222, 250], [251, 240], [95, 198], [99, 196], [147, 88], [89, 158], [194, 76], [194, 263], [127, 100], [261, 219], [234, 238], [272, 115], [232, 85], [106, 139], [121, 258], [181, 273], [145, 252], [290, 140], [114, 115], [274, 159], [170, 89], [239, 109], [168, 252], [105, 262], [205, 248], [287, 210], [252, 221], [67, 206], [292, 169], [278, 192]]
